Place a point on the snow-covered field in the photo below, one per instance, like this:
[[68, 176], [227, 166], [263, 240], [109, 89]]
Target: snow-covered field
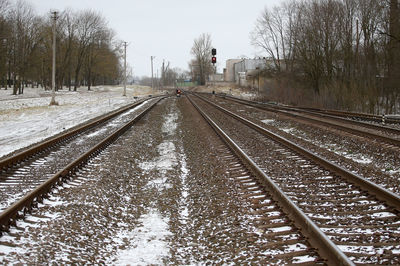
[[26, 119]]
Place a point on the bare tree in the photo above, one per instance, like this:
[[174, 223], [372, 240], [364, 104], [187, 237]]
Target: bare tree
[[97, 50], [346, 50], [275, 34], [268, 35], [89, 25], [65, 47], [85, 48], [201, 50], [393, 52], [25, 39], [4, 41]]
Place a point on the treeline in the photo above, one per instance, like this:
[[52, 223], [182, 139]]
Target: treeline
[[333, 53], [86, 50], [169, 77]]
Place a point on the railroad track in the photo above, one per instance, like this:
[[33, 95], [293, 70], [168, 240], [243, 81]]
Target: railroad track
[[379, 119], [286, 243], [358, 217], [374, 160], [27, 177], [268, 204], [358, 117], [14, 159], [385, 134]]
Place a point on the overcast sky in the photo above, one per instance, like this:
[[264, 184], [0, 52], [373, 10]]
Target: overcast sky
[[166, 29]]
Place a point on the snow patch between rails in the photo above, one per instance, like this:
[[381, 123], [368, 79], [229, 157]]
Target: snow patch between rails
[[166, 161], [356, 157], [303, 259], [268, 121], [148, 244], [288, 130], [184, 211], [168, 158], [7, 249], [368, 250], [169, 126], [160, 183]]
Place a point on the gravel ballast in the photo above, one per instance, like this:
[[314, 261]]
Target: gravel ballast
[[159, 195]]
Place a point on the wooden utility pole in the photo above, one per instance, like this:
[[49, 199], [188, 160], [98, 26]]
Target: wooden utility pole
[[53, 76], [124, 69], [152, 82], [163, 74]]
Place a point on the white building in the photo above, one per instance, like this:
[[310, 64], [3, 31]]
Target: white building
[[246, 65], [229, 71]]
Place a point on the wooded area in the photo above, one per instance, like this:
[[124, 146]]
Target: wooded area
[[87, 52], [341, 54]]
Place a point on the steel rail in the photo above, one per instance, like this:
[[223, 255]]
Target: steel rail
[[342, 119], [326, 248], [364, 133], [26, 203], [381, 193], [336, 113], [371, 117], [14, 159]]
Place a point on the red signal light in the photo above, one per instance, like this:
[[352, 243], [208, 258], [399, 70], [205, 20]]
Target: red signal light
[[213, 59]]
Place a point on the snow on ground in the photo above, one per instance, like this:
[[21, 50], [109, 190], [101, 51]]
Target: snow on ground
[[148, 244], [147, 241], [166, 161], [356, 157], [235, 91], [26, 119]]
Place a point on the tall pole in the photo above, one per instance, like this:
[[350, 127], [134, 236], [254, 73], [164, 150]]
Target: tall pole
[[152, 82], [53, 76], [124, 70], [163, 74]]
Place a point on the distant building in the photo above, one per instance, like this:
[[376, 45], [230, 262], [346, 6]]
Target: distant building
[[250, 64], [244, 72], [217, 77], [229, 71], [246, 65]]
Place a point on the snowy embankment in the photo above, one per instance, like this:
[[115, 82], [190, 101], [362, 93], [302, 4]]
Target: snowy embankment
[[26, 119]]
